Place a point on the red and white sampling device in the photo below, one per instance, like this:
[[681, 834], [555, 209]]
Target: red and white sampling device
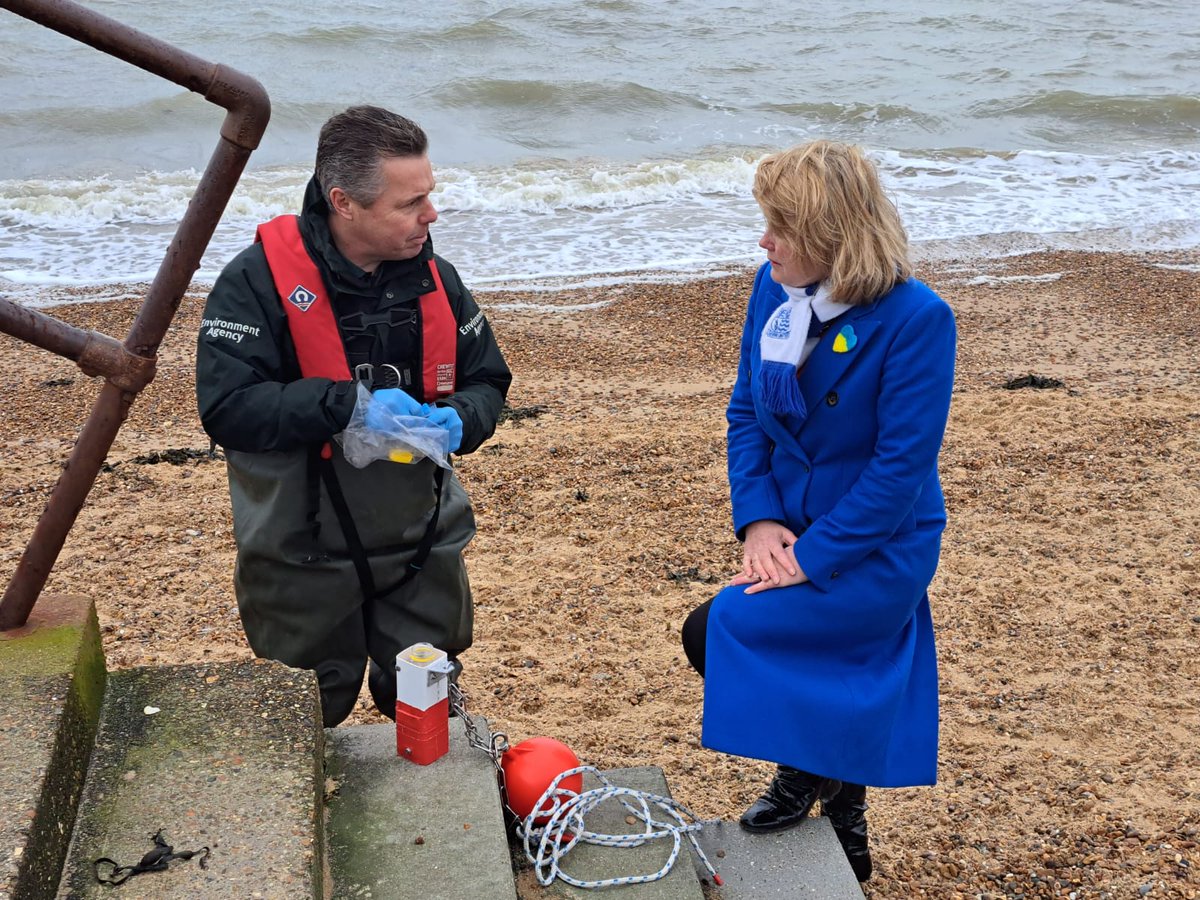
[[422, 703]]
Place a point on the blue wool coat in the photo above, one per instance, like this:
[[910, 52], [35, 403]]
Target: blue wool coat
[[838, 676]]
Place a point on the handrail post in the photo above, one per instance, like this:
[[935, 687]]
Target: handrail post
[[127, 367]]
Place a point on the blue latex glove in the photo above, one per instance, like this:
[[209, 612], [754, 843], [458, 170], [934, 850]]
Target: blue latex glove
[[448, 418], [391, 402]]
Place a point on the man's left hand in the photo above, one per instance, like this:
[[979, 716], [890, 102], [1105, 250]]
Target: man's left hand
[[448, 418], [389, 403]]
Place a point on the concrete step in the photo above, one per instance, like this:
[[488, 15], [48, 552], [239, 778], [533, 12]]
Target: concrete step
[[232, 757], [401, 831], [227, 756], [802, 862], [52, 681]]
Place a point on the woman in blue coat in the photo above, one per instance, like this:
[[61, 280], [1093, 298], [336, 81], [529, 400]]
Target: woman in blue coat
[[819, 655]]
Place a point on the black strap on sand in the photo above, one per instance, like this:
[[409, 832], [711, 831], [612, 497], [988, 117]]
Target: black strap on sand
[[358, 553], [154, 861]]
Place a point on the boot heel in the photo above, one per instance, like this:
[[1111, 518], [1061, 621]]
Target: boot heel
[[847, 812]]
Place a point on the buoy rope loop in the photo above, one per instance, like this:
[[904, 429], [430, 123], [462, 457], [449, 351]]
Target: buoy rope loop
[[562, 811]]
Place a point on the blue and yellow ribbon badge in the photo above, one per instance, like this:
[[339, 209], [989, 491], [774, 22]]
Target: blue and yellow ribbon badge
[[846, 339]]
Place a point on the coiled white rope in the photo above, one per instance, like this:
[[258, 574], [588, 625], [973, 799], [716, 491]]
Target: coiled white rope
[[563, 812]]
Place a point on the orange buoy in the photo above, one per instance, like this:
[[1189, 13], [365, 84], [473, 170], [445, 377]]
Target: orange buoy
[[530, 766]]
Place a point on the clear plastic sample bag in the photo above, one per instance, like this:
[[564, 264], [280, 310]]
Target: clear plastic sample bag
[[402, 439]]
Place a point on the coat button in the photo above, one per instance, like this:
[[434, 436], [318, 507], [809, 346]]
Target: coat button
[[425, 283], [831, 399], [391, 294], [834, 574]]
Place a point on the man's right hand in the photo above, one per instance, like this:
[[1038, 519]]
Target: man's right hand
[[391, 402]]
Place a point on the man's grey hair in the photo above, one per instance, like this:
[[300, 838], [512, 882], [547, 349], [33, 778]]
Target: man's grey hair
[[353, 143]]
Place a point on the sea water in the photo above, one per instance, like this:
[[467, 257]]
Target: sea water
[[586, 141]]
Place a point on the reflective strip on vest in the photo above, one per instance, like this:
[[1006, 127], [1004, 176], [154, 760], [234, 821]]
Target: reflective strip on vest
[[313, 326]]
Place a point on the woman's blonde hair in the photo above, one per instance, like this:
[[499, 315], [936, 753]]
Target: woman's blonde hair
[[824, 199]]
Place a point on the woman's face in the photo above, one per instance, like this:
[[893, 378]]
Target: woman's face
[[787, 266]]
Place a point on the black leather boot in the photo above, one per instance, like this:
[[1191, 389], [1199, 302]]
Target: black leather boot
[[847, 812], [788, 800]]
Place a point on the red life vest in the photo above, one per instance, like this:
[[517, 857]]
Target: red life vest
[[313, 327]]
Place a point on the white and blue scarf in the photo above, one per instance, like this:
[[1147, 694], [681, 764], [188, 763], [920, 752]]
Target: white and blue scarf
[[786, 341]]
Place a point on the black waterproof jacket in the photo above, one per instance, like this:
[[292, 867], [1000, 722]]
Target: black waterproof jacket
[[251, 396]]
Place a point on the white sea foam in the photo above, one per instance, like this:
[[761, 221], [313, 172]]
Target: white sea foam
[[593, 187], [550, 307], [588, 222], [997, 280]]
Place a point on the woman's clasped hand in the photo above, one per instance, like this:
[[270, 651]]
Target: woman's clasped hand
[[768, 558]]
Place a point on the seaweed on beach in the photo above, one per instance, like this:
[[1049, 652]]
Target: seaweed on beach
[[1040, 382], [519, 413], [691, 573], [175, 457]]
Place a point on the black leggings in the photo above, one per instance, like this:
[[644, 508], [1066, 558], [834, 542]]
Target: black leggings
[[695, 635]]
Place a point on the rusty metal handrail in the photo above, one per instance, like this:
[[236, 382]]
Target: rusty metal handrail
[[128, 366]]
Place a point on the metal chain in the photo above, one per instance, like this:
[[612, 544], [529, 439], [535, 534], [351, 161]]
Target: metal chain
[[495, 743]]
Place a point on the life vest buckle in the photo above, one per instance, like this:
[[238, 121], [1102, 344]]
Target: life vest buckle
[[389, 376], [359, 322]]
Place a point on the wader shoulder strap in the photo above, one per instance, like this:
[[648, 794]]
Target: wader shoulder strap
[[358, 553], [418, 561]]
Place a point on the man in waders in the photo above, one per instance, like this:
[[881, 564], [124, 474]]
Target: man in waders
[[339, 565]]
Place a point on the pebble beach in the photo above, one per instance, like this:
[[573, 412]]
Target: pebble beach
[[1067, 603]]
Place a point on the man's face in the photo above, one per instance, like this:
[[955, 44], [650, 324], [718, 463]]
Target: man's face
[[396, 225]]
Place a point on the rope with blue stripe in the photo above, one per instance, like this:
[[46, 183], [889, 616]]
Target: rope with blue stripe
[[563, 812]]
